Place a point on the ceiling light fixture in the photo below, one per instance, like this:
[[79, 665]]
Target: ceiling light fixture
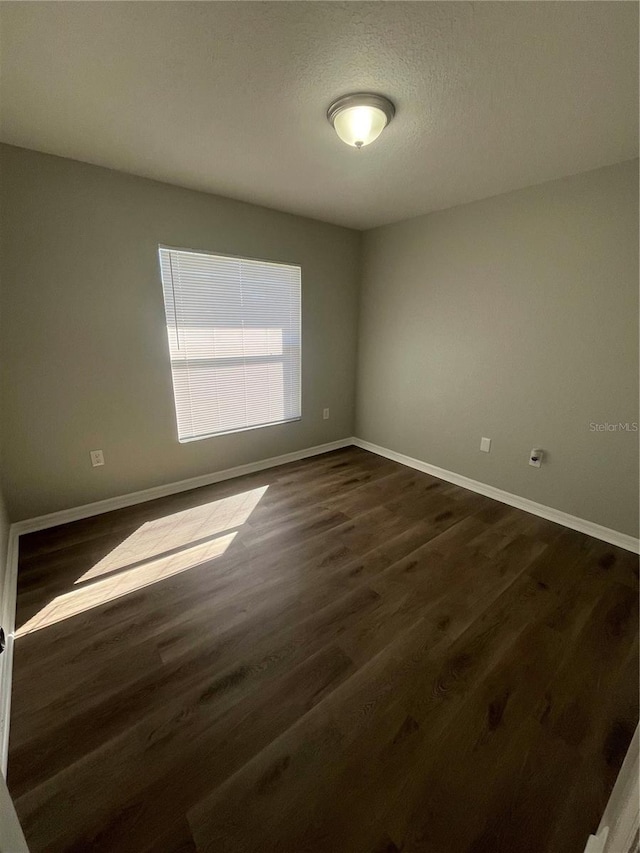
[[360, 118]]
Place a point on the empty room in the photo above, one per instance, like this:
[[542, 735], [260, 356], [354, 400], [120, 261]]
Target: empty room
[[319, 462]]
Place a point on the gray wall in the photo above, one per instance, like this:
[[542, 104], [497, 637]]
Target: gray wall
[[6, 600], [4, 545], [514, 318], [7, 605], [84, 357]]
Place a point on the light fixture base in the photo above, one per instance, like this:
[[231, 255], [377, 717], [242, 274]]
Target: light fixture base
[[361, 99]]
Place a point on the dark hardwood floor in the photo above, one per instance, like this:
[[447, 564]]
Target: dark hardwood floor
[[341, 655]]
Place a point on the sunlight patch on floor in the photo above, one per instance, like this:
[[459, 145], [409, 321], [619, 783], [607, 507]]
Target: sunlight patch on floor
[[157, 550], [178, 530], [108, 589]]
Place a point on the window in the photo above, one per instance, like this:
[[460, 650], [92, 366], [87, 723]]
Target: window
[[234, 340]]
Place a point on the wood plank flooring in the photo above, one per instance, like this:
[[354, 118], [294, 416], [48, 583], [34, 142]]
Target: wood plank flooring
[[340, 655]]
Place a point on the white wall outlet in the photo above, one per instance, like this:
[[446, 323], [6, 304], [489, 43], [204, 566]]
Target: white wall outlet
[[97, 458], [535, 457], [325, 414], [485, 444]]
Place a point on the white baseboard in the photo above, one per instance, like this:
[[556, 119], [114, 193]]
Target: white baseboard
[[596, 843], [64, 516], [614, 537], [619, 825], [53, 519]]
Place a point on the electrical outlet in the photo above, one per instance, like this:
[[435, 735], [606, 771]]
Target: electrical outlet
[[97, 458], [325, 414], [485, 444], [535, 457]]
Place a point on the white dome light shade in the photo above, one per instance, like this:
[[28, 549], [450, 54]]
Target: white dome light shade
[[361, 118], [359, 126]]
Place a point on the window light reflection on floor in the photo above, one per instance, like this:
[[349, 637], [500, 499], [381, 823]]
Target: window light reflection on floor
[[179, 530], [157, 550]]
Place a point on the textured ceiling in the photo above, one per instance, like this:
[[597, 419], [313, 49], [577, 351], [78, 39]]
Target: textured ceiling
[[230, 97]]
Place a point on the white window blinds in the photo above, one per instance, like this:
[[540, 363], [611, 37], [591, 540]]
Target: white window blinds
[[234, 340]]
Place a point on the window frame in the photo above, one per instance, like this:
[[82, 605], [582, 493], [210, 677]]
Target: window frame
[[218, 254]]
